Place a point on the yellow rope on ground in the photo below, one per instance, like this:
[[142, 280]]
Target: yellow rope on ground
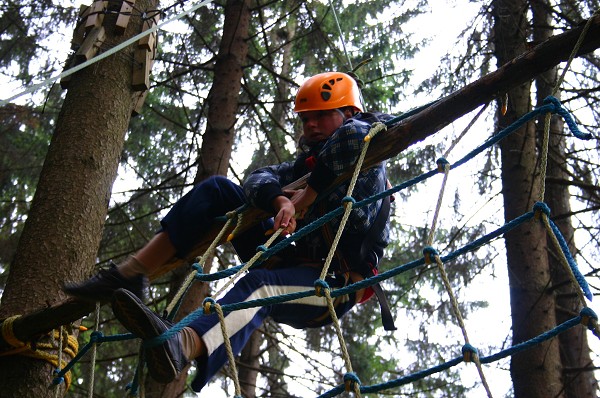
[[68, 345]]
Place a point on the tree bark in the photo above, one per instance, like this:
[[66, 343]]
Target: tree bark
[[573, 343], [218, 139], [536, 373], [62, 233]]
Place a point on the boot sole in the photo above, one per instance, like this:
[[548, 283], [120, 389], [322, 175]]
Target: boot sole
[[131, 312]]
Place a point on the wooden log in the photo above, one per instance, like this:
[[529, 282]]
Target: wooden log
[[124, 16], [142, 65], [386, 145], [149, 41], [91, 45], [96, 15]]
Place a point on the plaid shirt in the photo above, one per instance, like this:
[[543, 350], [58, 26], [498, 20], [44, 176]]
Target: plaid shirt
[[330, 158]]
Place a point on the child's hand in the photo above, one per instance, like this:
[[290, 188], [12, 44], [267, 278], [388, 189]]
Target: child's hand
[[285, 215]]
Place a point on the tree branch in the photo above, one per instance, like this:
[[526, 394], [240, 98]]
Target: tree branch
[[399, 137]]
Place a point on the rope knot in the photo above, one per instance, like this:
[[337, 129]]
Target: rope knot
[[199, 269], [442, 163], [320, 287], [559, 109], [350, 380], [588, 317], [541, 207], [469, 353], [96, 337], [555, 102], [429, 253], [209, 305], [348, 199]]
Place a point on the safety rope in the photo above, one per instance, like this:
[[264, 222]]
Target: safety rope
[[92, 370], [51, 352]]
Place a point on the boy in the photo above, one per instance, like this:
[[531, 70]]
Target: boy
[[334, 126]]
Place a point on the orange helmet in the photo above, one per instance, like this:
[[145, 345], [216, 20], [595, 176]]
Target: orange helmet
[[329, 90]]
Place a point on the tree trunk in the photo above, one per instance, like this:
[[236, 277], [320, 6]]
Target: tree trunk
[[578, 379], [223, 97], [249, 365], [217, 144], [536, 373], [63, 229]]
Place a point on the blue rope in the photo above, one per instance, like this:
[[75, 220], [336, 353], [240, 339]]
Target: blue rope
[[449, 364], [572, 264], [551, 105]]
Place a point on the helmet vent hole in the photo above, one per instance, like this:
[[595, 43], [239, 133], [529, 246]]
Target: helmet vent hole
[[326, 95]]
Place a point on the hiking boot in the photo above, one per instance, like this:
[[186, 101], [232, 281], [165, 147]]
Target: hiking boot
[[102, 286], [165, 361]]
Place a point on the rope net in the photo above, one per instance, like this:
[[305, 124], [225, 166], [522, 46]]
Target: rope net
[[351, 381]]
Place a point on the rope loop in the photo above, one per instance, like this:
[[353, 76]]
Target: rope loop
[[320, 287], [209, 305], [588, 317], [469, 353], [429, 253], [348, 199], [541, 207], [442, 163], [262, 248], [350, 381], [376, 128], [566, 115], [8, 334]]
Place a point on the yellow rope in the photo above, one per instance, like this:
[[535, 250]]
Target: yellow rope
[[209, 252], [375, 129], [438, 206], [459, 318], [68, 345], [249, 263], [563, 258], [338, 331], [445, 168], [229, 350], [546, 139]]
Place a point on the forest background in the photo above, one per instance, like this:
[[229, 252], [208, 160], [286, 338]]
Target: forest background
[[183, 134]]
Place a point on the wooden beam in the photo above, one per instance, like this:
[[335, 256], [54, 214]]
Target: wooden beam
[[408, 132]]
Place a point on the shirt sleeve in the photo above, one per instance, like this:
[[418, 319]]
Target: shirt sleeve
[[340, 153], [265, 184]]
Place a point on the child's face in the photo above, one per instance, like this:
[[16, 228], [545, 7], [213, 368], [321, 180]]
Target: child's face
[[319, 125]]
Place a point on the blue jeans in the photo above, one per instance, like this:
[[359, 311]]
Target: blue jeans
[[192, 216], [260, 283]]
